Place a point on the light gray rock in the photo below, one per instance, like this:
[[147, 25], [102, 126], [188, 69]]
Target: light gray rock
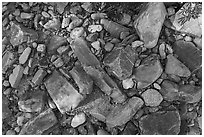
[[78, 120], [24, 56], [38, 77], [15, 77]]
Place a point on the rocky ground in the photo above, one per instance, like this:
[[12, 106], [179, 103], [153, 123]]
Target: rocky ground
[[101, 68]]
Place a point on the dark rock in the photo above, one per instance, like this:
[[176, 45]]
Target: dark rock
[[6, 112], [65, 96], [148, 72], [160, 123], [55, 42], [121, 61], [39, 124], [130, 129]]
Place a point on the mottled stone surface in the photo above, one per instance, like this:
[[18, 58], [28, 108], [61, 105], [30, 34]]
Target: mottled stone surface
[[39, 124], [160, 123], [148, 72], [65, 96], [149, 23]]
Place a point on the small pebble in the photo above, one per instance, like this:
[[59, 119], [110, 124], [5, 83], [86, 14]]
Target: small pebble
[[77, 32], [17, 129], [65, 22], [102, 132], [51, 104], [157, 86], [62, 49], [7, 91], [20, 120], [6, 83], [95, 28], [170, 11], [41, 48], [96, 45], [123, 35], [10, 132], [137, 43], [58, 63], [16, 12], [162, 51], [78, 120], [128, 83], [45, 14], [188, 38], [92, 37], [26, 70], [35, 45], [109, 46], [26, 15], [96, 16]]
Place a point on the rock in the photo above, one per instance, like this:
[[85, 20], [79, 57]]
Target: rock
[[170, 11], [60, 6], [194, 59], [192, 26], [95, 28], [160, 123], [65, 22], [41, 48], [20, 34], [53, 24], [20, 120], [45, 14], [55, 42], [150, 22], [96, 16], [198, 42], [120, 62], [162, 52], [113, 28], [6, 112], [137, 43], [92, 37], [87, 6], [58, 62], [96, 45], [33, 102], [10, 132], [26, 15], [122, 114], [75, 23], [77, 32], [16, 76], [157, 86], [102, 132], [175, 67], [152, 97], [125, 20], [65, 96], [38, 77], [7, 60], [128, 83], [84, 81], [78, 120], [130, 129], [199, 122], [109, 46], [39, 124], [188, 38], [82, 130], [24, 56], [148, 72]]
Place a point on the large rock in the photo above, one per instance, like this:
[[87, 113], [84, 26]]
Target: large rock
[[7, 60], [15, 77], [20, 34], [160, 123], [120, 62], [39, 124], [192, 26], [175, 67], [149, 23], [55, 42], [83, 80], [65, 96], [148, 72]]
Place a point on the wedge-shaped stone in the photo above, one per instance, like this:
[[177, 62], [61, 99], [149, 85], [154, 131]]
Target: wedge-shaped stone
[[83, 80], [65, 96], [149, 23], [160, 123], [39, 124], [20, 34], [7, 61], [121, 61], [175, 67], [148, 72], [16, 76]]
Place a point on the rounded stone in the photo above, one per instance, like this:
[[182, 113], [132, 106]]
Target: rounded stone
[[152, 97], [41, 47], [77, 32], [188, 38], [78, 120]]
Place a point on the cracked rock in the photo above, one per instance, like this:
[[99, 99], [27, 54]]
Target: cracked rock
[[78, 120], [152, 97], [65, 96], [148, 72], [149, 23], [175, 67], [15, 77], [39, 124], [160, 123], [120, 62]]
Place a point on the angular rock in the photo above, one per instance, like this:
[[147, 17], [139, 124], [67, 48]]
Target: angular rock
[[130, 129], [65, 22], [65, 96], [15, 77], [150, 22], [77, 32], [60, 6], [160, 123], [55, 42], [152, 97], [84, 81], [194, 59], [175, 67], [20, 34], [148, 72], [38, 77], [6, 112], [24, 56], [7, 61], [33, 102], [128, 83], [53, 24], [58, 62], [39, 124], [78, 120], [121, 61]]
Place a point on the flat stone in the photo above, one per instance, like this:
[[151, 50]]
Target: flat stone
[[38, 77], [7, 61], [6, 112], [75, 23], [20, 34], [78, 120], [150, 22], [15, 77], [55, 42], [77, 32], [26, 15], [152, 97], [87, 6], [33, 102], [160, 123], [175, 67], [83, 80], [194, 59], [65, 96], [120, 62], [24, 56], [148, 72], [39, 124]]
